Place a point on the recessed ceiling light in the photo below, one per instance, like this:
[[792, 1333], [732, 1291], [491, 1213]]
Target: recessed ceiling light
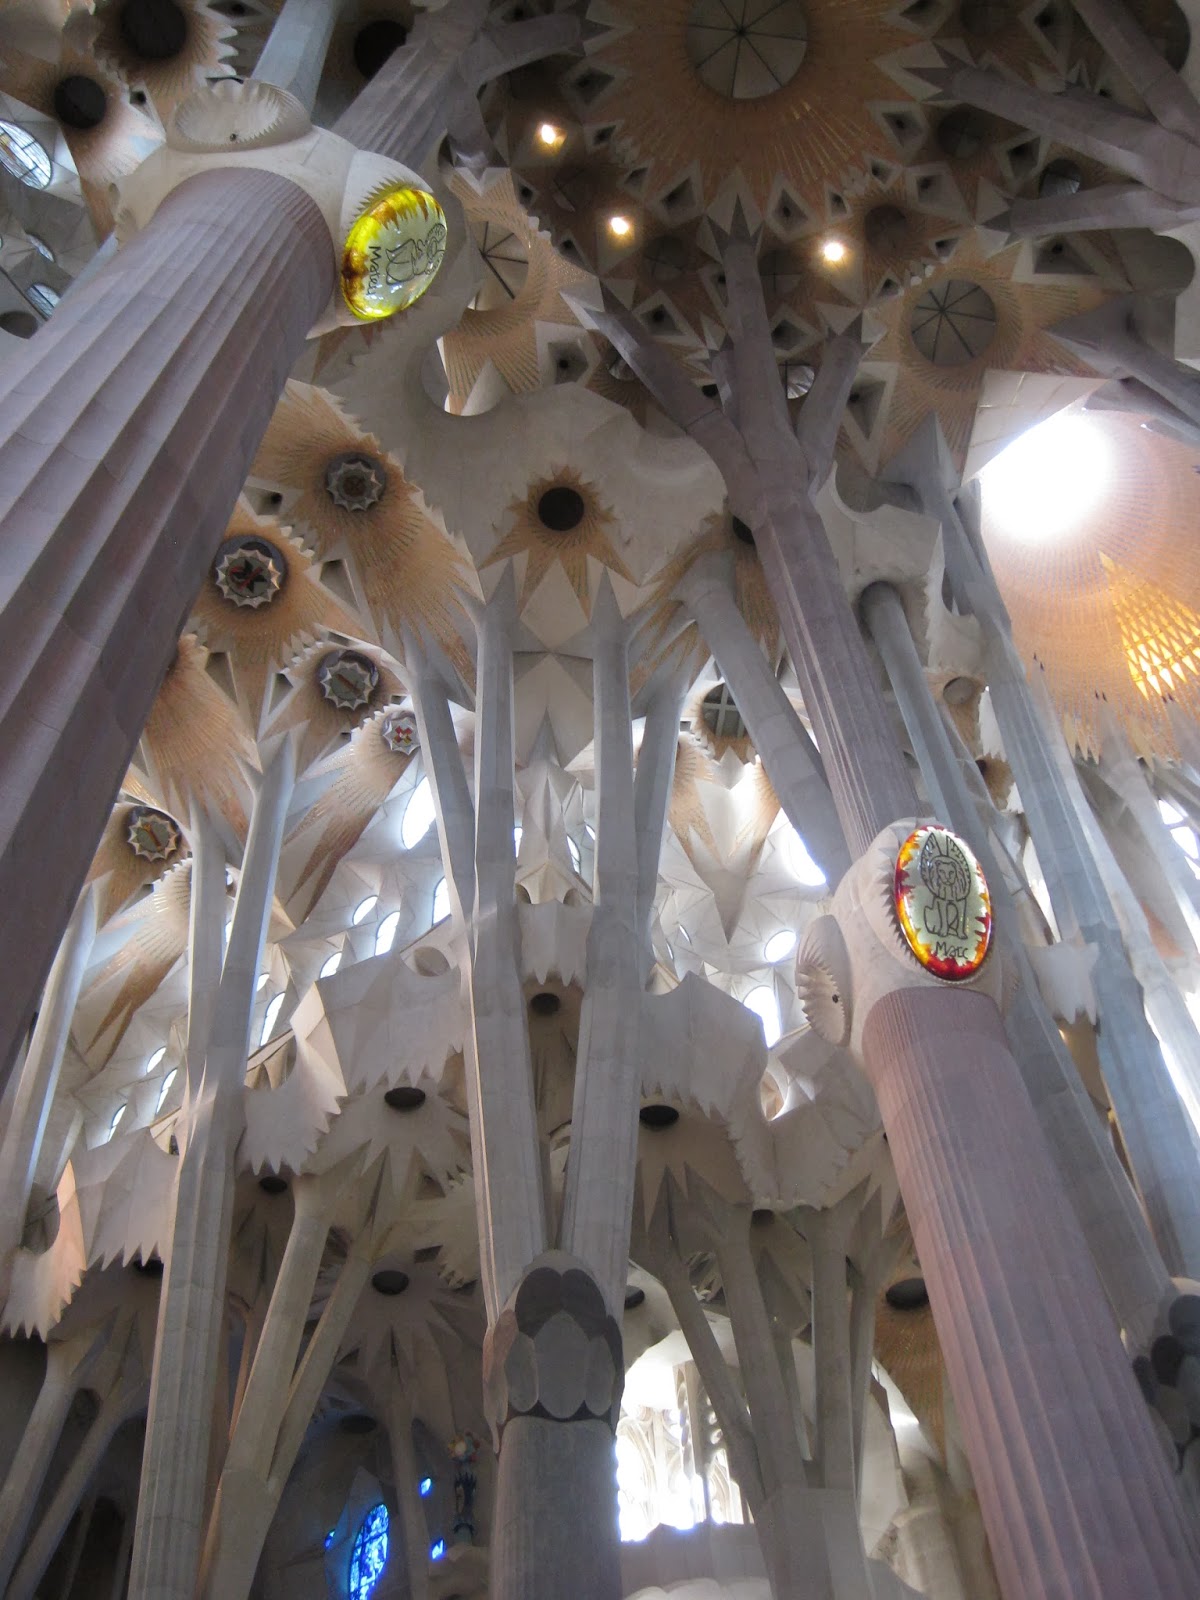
[[620, 227], [833, 251], [550, 136]]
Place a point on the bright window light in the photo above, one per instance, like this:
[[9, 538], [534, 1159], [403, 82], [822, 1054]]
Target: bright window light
[[441, 901], [364, 909], [387, 933], [418, 815], [155, 1058], [576, 859], [330, 965], [590, 831], [425, 1488], [164, 1091], [23, 156], [263, 979], [518, 835], [271, 1017], [763, 1003], [437, 1550], [780, 945], [1170, 814], [620, 227], [116, 1118], [799, 863], [1047, 483]]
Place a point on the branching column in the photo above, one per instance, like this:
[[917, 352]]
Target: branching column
[[1124, 1252], [127, 428], [995, 1265], [191, 1321]]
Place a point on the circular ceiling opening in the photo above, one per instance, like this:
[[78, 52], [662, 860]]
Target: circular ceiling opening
[[545, 1004], [347, 679], [658, 1117], [155, 30], [953, 322], [720, 715], [390, 1281], [634, 1297], [248, 572], [272, 1183], [745, 49], [376, 42], [742, 532], [358, 1422], [21, 324], [958, 691], [1049, 481], [907, 1294], [79, 102], [405, 1098], [561, 509], [1060, 177]]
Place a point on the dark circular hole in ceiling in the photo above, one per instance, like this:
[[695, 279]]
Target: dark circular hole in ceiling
[[375, 43], [907, 1294], [272, 1184], [358, 1422], [21, 324], [79, 102], [545, 1004], [561, 509], [742, 531], [405, 1098], [151, 1268], [658, 1117], [155, 30], [761, 1215], [390, 1281], [634, 1297]]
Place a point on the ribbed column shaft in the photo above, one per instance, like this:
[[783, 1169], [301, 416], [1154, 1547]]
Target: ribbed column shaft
[[126, 430], [1112, 1220], [1075, 1488]]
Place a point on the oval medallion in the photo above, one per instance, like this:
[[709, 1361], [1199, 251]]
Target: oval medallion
[[942, 903], [392, 253]]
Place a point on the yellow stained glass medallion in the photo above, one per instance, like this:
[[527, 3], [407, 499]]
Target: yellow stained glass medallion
[[942, 903], [392, 253]]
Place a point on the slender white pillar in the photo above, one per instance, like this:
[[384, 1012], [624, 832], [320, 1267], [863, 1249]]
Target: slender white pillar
[[294, 55]]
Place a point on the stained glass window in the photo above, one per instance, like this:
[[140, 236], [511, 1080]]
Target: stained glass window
[[370, 1553], [23, 156]]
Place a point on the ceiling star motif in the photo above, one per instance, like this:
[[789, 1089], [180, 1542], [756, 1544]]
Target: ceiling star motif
[[403, 569], [587, 532]]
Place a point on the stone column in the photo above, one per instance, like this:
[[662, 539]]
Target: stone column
[[1074, 1485], [408, 1499], [294, 55], [39, 1076], [783, 745], [1123, 1251], [191, 1319], [127, 428]]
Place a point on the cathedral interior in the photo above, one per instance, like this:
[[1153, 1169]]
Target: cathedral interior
[[599, 800]]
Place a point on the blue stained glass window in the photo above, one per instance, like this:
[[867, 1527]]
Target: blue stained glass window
[[370, 1553], [426, 1487]]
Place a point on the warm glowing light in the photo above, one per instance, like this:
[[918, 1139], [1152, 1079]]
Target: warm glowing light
[[833, 251], [620, 227], [942, 903], [1047, 483], [550, 136], [393, 253]]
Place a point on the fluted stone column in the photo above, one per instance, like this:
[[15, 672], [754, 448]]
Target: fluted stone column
[[191, 1320], [1075, 1489], [39, 1076], [964, 1201], [1124, 1253], [127, 427]]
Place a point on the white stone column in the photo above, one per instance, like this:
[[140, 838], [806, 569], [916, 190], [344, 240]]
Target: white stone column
[[206, 939], [294, 55], [600, 1172], [39, 1076], [191, 1320], [408, 1500], [779, 736], [1129, 1264]]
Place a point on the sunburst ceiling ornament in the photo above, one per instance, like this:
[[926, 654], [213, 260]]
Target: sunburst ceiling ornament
[[354, 481], [249, 572], [348, 679], [560, 520], [164, 48], [953, 322], [399, 733], [152, 835], [393, 252]]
